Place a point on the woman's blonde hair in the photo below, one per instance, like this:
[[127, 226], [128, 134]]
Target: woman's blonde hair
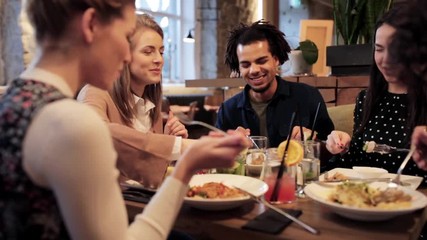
[[50, 18], [121, 92]]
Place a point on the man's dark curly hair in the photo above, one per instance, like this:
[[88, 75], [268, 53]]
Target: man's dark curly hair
[[258, 31]]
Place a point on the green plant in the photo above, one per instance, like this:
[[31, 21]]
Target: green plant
[[355, 19], [309, 50]]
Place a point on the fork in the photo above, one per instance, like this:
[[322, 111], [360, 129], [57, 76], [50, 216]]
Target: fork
[[185, 120], [278, 210], [383, 148], [396, 180]]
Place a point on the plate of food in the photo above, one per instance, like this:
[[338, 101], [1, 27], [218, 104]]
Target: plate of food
[[218, 192], [367, 201], [338, 175]]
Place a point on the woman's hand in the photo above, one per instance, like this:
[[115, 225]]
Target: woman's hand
[[419, 140], [175, 127], [338, 142], [210, 152]]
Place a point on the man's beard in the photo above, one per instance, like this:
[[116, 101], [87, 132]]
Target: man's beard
[[261, 90]]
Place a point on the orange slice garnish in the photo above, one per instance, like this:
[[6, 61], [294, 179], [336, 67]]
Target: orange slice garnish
[[295, 152]]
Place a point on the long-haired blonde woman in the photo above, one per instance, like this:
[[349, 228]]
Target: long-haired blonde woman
[[132, 109]]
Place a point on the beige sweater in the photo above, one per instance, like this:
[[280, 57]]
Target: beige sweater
[[142, 157]]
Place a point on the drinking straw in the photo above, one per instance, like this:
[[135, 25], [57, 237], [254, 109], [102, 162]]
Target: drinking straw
[[314, 122], [300, 125], [275, 194]]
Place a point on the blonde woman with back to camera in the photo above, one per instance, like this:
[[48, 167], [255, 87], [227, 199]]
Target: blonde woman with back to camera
[[57, 161], [132, 110]]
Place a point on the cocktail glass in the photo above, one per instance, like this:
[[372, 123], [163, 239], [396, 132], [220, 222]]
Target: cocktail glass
[[286, 185]]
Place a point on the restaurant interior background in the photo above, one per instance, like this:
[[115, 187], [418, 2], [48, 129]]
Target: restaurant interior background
[[208, 21]]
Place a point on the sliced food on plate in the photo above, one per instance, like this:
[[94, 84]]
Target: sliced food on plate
[[213, 190], [365, 196]]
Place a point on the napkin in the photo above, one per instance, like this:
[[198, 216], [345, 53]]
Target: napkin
[[271, 221], [136, 196]]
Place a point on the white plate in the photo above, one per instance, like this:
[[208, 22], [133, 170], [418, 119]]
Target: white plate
[[320, 194], [252, 185], [370, 172], [414, 181]]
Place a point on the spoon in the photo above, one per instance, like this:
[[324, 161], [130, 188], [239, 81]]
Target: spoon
[[396, 180]]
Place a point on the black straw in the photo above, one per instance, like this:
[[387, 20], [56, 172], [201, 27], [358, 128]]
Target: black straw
[[314, 122], [300, 125], [275, 194]]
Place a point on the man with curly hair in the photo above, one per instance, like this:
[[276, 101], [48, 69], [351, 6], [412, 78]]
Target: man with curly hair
[[265, 106]]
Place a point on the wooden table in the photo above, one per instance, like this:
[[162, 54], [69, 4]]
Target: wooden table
[[227, 224]]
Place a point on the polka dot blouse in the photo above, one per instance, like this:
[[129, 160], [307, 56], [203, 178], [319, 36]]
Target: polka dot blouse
[[387, 125]]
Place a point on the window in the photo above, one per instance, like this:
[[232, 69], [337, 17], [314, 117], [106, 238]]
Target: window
[[175, 22]]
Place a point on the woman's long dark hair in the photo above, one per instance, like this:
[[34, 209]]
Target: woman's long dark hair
[[378, 86], [409, 48]]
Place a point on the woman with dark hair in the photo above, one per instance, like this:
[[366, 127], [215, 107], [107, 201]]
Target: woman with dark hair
[[57, 161], [132, 110], [387, 111], [409, 48]]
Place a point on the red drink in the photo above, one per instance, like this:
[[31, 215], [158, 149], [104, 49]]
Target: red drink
[[286, 190]]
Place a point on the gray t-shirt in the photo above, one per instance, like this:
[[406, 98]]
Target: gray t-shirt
[[260, 110]]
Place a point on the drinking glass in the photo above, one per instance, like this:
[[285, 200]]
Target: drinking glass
[[286, 186], [287, 183], [256, 156], [309, 167], [238, 168]]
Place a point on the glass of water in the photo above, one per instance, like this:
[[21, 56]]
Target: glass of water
[[309, 167]]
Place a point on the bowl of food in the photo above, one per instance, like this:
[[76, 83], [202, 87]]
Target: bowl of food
[[370, 172], [215, 192]]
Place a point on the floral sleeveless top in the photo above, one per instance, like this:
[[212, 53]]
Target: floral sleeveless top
[[27, 211]]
